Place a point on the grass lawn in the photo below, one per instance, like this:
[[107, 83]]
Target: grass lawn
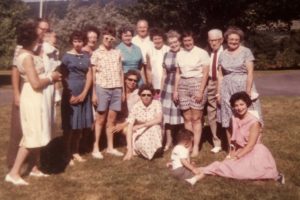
[[112, 178]]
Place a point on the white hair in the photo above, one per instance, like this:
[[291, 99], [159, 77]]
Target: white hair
[[215, 32]]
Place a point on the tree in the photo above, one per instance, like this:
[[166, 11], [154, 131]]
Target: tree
[[12, 13], [201, 15], [78, 16]]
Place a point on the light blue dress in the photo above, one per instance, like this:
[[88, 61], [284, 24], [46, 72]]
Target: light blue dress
[[131, 57]]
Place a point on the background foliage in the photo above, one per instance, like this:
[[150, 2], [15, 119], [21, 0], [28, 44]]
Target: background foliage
[[274, 45], [11, 14]]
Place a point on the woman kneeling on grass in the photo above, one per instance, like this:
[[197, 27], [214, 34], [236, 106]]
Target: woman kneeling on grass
[[144, 135], [249, 159]]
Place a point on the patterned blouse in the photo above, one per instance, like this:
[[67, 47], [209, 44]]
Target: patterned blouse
[[108, 66], [140, 113]]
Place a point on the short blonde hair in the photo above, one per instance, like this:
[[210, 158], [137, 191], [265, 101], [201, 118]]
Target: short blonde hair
[[173, 34]]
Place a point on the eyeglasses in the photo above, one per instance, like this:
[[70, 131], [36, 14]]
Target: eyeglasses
[[148, 95], [109, 38], [131, 79]]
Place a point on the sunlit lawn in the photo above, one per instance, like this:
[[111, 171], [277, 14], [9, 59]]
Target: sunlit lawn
[[112, 178]]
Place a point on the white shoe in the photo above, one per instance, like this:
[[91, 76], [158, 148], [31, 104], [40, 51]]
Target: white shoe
[[191, 181], [19, 181], [97, 155], [38, 174], [115, 152], [216, 149]]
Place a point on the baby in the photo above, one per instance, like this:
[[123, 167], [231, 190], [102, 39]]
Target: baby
[[182, 168], [52, 56]]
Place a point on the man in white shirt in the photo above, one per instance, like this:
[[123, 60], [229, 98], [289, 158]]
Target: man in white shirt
[[215, 40], [142, 40]]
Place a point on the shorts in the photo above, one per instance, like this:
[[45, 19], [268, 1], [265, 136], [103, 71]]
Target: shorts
[[187, 90], [108, 98], [182, 173]]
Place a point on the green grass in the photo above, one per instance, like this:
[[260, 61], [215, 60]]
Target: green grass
[[112, 178]]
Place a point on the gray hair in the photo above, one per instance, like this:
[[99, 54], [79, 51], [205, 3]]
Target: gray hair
[[215, 32], [173, 34]]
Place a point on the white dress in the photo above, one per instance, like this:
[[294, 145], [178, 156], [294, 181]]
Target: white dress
[[31, 107]]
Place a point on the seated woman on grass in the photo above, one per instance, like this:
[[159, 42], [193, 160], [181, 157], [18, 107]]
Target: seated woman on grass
[[249, 159], [132, 77], [144, 135]]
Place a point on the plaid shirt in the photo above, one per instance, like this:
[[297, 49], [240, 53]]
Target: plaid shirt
[[108, 67]]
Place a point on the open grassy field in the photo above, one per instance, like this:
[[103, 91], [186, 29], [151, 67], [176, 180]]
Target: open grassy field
[[112, 178]]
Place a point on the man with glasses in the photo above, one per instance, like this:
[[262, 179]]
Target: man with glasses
[[107, 92], [215, 40]]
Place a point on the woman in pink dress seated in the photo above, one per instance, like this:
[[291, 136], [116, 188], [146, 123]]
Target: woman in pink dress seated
[[249, 158]]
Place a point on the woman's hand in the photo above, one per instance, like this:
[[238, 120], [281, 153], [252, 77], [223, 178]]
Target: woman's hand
[[118, 128], [73, 100], [81, 97], [175, 97], [56, 76], [137, 127], [199, 97], [94, 99], [17, 100]]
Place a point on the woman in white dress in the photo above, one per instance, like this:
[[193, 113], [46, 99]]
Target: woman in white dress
[[31, 101]]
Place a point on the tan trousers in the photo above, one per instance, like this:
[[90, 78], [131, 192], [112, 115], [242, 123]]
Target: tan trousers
[[212, 110]]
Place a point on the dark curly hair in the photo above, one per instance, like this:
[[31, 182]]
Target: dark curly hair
[[109, 30], [240, 96], [184, 135], [78, 35], [26, 33], [125, 29], [157, 32], [188, 33], [133, 72], [146, 87], [90, 28]]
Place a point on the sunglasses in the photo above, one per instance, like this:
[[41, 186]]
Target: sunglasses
[[109, 38], [131, 79], [148, 95]]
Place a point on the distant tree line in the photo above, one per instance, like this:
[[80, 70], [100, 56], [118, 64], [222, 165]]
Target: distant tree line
[[271, 49]]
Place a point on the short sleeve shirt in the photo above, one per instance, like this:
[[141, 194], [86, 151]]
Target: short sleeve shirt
[[142, 113], [108, 67], [191, 62], [179, 152]]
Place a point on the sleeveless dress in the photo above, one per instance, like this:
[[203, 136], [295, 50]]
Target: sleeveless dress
[[32, 107], [257, 164], [235, 80], [171, 112]]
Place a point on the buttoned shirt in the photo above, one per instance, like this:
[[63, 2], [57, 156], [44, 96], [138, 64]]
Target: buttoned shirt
[[108, 67]]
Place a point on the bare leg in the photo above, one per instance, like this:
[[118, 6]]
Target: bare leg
[[197, 130], [111, 119], [168, 131], [187, 115], [100, 119], [76, 135], [228, 134], [21, 156]]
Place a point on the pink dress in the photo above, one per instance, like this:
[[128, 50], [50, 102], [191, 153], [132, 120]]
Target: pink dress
[[257, 164]]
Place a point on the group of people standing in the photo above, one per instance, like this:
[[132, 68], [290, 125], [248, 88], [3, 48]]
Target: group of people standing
[[141, 88]]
